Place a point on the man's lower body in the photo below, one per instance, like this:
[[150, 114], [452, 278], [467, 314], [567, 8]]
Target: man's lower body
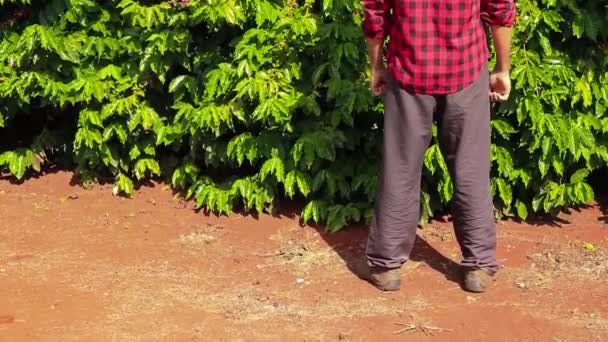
[[463, 122]]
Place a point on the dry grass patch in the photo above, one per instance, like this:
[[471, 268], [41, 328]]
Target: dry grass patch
[[436, 233], [591, 320], [254, 303], [574, 318], [66, 266], [301, 255], [202, 235], [578, 260]]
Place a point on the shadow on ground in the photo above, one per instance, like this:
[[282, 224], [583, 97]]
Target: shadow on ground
[[603, 203], [349, 244]]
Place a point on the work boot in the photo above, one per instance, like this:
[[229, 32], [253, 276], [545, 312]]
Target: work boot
[[475, 280], [385, 279]]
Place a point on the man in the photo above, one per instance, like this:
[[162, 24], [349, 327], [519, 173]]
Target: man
[[436, 70]]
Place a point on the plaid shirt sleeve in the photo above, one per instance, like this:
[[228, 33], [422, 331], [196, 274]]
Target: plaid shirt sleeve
[[498, 12], [376, 18]]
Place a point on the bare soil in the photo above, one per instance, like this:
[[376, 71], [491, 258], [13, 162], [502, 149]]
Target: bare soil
[[82, 265]]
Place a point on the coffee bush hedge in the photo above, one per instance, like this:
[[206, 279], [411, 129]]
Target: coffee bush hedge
[[242, 104]]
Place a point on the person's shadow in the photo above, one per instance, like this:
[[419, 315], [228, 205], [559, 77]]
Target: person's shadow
[[349, 244], [602, 201]]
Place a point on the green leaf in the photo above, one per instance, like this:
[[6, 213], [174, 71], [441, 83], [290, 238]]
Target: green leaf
[[94, 118], [503, 128], [583, 88], [504, 191], [503, 159], [579, 176], [525, 177], [552, 18], [144, 165], [5, 158], [312, 211], [430, 158], [578, 26], [447, 189], [587, 192], [558, 165], [273, 166], [19, 161], [522, 210], [266, 12], [134, 121], [123, 185], [176, 83], [547, 143], [426, 211], [290, 182], [545, 43], [336, 218], [134, 152], [303, 183], [536, 202], [543, 166]]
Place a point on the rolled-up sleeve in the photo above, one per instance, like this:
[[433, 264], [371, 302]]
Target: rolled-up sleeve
[[498, 12], [376, 18]]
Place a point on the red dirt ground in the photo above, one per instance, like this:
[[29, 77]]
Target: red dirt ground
[[78, 264]]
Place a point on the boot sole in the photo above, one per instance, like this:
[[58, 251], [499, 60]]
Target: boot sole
[[473, 290], [393, 285]]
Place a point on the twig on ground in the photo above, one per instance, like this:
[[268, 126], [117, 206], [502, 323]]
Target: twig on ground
[[426, 329], [408, 327], [268, 255]]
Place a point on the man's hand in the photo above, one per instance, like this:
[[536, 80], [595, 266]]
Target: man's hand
[[500, 82], [378, 80], [500, 86], [378, 70]]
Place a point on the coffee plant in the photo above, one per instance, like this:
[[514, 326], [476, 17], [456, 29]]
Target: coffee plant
[[240, 104]]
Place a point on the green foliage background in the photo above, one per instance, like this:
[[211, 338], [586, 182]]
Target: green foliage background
[[241, 103]]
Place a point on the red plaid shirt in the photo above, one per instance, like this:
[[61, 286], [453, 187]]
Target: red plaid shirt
[[436, 46]]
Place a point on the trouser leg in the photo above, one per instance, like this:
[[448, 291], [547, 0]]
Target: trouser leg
[[408, 122], [464, 136]]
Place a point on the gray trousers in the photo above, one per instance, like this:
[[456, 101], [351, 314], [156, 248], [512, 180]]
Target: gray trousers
[[463, 121]]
